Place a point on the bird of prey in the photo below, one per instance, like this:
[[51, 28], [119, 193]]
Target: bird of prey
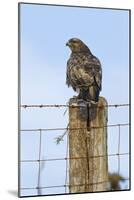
[[84, 72]]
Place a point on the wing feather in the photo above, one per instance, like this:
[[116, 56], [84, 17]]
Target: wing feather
[[83, 71]]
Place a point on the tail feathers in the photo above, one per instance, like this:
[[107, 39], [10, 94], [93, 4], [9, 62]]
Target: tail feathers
[[94, 92], [90, 94], [84, 94]]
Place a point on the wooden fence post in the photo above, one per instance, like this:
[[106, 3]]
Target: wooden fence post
[[88, 163]]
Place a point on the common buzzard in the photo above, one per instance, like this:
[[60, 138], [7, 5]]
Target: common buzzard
[[84, 71]]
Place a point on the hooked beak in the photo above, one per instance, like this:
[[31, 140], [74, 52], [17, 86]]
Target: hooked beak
[[67, 44]]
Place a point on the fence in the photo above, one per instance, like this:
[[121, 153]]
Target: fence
[[39, 188]]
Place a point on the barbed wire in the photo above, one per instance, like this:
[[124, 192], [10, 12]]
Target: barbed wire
[[67, 105]]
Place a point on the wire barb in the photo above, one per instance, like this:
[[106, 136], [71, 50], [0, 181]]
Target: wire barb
[[67, 105]]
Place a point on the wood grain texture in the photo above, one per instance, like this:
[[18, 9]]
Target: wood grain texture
[[89, 172]]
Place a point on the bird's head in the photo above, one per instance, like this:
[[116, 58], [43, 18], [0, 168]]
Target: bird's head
[[77, 46]]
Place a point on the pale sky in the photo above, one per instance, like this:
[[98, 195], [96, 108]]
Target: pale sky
[[44, 33]]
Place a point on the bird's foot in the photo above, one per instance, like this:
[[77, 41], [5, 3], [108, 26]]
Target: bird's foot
[[80, 100]]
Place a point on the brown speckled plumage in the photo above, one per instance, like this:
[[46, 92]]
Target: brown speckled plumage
[[84, 71]]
